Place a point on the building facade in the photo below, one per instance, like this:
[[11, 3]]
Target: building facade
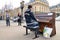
[[38, 6], [56, 9]]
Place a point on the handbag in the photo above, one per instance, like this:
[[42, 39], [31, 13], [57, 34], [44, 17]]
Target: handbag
[[47, 32]]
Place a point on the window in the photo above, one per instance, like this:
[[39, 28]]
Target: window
[[32, 0], [37, 8]]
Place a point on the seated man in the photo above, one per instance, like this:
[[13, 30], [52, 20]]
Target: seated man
[[30, 19], [31, 22]]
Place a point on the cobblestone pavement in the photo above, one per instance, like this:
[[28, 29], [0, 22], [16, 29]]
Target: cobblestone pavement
[[15, 32]]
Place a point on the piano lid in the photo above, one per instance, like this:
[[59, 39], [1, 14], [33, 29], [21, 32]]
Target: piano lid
[[44, 17]]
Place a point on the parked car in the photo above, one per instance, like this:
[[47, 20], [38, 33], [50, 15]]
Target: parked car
[[57, 18], [15, 19]]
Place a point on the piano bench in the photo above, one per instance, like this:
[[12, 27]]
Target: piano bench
[[36, 29]]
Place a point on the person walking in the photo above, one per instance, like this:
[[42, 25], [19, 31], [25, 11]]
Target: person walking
[[7, 19], [19, 19]]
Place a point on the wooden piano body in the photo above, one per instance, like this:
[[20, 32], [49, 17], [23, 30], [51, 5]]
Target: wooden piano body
[[46, 19]]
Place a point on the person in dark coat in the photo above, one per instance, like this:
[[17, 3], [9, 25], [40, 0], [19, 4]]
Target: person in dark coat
[[7, 19], [30, 19], [19, 19]]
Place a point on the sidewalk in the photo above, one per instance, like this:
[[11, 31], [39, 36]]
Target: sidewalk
[[15, 32]]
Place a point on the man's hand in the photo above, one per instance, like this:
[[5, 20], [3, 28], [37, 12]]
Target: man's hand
[[37, 19], [26, 14]]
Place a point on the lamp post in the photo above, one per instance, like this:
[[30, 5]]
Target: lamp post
[[57, 10], [22, 6], [35, 10]]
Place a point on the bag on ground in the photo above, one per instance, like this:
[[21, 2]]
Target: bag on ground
[[47, 32]]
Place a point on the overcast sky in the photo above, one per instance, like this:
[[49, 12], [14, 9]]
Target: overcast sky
[[16, 3]]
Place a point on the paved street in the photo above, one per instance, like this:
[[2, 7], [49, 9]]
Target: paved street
[[15, 32]]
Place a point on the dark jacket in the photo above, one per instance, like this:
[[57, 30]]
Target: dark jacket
[[19, 20], [29, 16], [7, 17]]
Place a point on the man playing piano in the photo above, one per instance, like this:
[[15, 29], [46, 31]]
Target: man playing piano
[[30, 19], [31, 22]]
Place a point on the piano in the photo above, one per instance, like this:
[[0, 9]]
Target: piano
[[46, 19]]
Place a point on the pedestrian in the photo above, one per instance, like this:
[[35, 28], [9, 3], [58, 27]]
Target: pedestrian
[[7, 19], [19, 19]]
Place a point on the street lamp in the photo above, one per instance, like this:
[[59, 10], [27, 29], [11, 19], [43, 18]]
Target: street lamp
[[57, 10], [22, 6], [35, 10]]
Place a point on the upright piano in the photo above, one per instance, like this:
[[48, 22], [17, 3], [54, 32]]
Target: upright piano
[[48, 20]]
